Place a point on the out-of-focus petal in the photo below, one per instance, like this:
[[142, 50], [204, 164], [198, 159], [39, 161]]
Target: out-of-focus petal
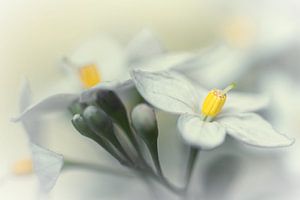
[[25, 95], [31, 124], [144, 46], [244, 102], [47, 165], [54, 103], [252, 129], [217, 66], [106, 53], [168, 91], [166, 61], [196, 132]]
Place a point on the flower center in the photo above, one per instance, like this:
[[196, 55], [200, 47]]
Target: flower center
[[215, 101], [89, 75], [22, 167]]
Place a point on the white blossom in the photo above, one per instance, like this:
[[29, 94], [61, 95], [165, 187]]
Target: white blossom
[[172, 92]]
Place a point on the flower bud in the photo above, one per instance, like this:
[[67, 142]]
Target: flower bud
[[77, 107], [144, 121], [99, 122], [109, 101], [102, 125], [82, 127], [112, 105]]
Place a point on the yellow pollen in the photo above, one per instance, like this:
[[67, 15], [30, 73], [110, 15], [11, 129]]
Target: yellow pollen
[[89, 75], [215, 101], [22, 167]]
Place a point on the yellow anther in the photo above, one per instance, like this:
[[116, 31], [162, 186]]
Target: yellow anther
[[89, 75], [22, 167], [215, 101]]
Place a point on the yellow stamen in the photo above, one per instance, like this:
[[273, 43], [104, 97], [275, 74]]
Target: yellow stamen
[[89, 75], [22, 167], [215, 101]]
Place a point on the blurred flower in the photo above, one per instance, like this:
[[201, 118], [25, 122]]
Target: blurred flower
[[171, 92], [45, 163], [102, 59]]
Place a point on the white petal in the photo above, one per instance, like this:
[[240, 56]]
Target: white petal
[[109, 56], [144, 46], [252, 129], [25, 95], [168, 91], [218, 66], [47, 165], [31, 125], [58, 102], [166, 61], [244, 102], [196, 132]]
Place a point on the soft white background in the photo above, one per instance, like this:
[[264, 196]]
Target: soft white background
[[34, 34]]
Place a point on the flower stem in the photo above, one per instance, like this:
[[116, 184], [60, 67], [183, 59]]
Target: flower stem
[[71, 164], [190, 166], [163, 181]]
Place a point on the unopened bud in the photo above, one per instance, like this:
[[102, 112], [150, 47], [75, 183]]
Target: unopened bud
[[144, 121]]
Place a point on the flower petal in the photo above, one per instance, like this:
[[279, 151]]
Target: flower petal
[[168, 91], [143, 46], [166, 61], [217, 66], [251, 129], [57, 102], [47, 165], [32, 125], [244, 102], [196, 132], [103, 51], [25, 95]]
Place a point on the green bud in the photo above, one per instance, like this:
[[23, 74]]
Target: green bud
[[77, 108], [112, 105], [99, 122], [81, 126], [102, 125], [145, 123]]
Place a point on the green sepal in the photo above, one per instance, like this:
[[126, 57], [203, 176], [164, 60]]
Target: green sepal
[[112, 105]]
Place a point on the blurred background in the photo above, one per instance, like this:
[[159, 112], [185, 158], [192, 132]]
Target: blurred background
[[34, 35]]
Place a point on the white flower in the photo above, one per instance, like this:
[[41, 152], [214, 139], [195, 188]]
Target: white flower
[[206, 128], [102, 59], [46, 164], [101, 63]]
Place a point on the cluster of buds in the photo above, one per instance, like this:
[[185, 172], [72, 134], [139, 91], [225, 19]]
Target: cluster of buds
[[123, 133]]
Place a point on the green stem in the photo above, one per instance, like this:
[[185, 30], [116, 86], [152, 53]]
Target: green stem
[[191, 164], [163, 181], [71, 164]]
